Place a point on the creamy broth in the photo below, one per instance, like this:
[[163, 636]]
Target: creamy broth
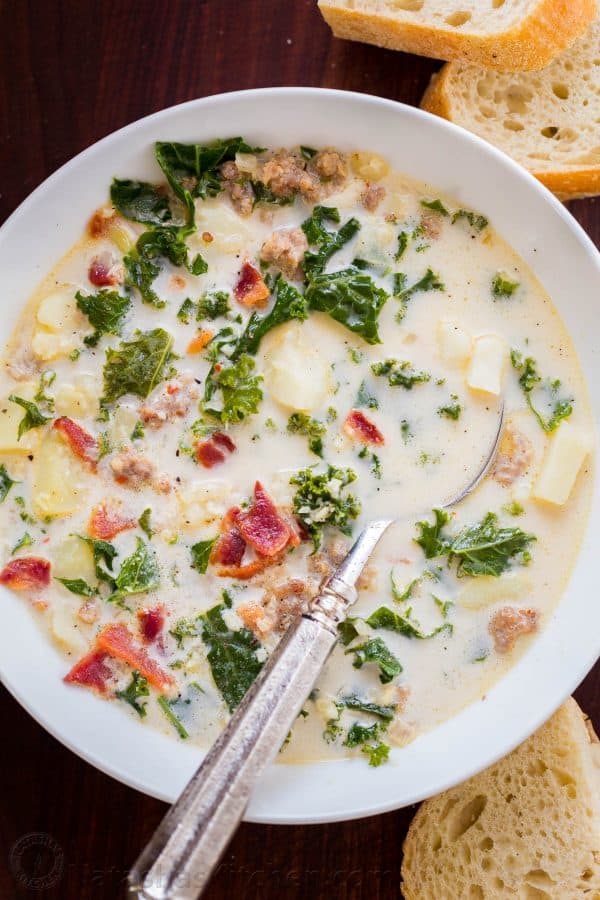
[[164, 471]]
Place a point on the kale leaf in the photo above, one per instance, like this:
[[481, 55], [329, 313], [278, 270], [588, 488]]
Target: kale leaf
[[140, 201], [142, 264], [431, 539], [399, 373], [289, 304], [144, 521], [403, 239], [167, 708], [319, 501], [136, 689], [476, 221], [104, 555], [367, 738], [78, 586], [137, 366], [403, 624], [350, 297], [300, 423], [33, 417], [558, 408], [435, 205], [328, 242], [201, 554], [231, 654], [429, 282], [352, 701], [105, 310], [376, 651], [451, 410], [6, 482], [212, 304], [138, 573], [240, 391]]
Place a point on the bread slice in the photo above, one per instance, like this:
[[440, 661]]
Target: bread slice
[[527, 828], [548, 121], [509, 35]]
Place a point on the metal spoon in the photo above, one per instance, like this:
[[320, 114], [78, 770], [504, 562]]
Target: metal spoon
[[181, 855]]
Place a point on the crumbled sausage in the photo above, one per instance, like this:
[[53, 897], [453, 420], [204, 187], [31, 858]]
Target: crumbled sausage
[[238, 188], [280, 605], [514, 457], [330, 165], [509, 623], [400, 732], [173, 402], [372, 196], [285, 175], [131, 468], [88, 612], [431, 225], [285, 249]]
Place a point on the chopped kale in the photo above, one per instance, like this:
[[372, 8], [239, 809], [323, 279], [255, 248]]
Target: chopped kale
[[25, 541], [476, 221], [142, 264], [403, 239], [136, 435], [140, 201], [167, 708], [33, 417], [399, 373], [138, 573], [347, 631], [365, 398], [403, 624], [376, 651], [212, 304], [185, 628], [239, 390], [435, 205], [232, 655], [558, 408], [431, 539], [198, 266], [138, 365], [352, 701], [105, 311], [135, 690], [186, 310], [6, 482], [429, 282], [201, 554], [401, 596], [350, 297], [502, 286], [320, 501], [144, 523], [514, 508], [300, 423], [289, 304], [367, 738], [104, 555], [78, 586], [328, 242], [452, 410]]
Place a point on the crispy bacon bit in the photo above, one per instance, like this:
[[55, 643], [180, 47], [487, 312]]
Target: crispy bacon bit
[[152, 622], [243, 573], [118, 641], [211, 452], [104, 272], [91, 671], [199, 342], [81, 443], [229, 549], [358, 426], [101, 221], [207, 237], [251, 289], [177, 283], [106, 521], [26, 573], [262, 527], [509, 623]]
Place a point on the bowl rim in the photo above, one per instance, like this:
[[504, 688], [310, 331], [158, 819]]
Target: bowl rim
[[277, 776]]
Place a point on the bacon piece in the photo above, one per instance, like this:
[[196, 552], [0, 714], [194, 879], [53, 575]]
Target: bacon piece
[[101, 221], [243, 573], [229, 549], [118, 641], [91, 671], [152, 622], [251, 289], [262, 527], [103, 272], [358, 426], [211, 453], [199, 342], [81, 443], [26, 573], [106, 521]]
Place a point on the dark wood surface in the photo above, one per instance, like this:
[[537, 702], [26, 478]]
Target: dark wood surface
[[70, 73]]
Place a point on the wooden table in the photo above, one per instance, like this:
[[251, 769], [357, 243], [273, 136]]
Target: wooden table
[[70, 73]]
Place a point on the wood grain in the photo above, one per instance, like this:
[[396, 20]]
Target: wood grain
[[70, 73]]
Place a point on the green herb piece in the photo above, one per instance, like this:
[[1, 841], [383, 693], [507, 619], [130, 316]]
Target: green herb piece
[[105, 311], [74, 354], [300, 423], [135, 690], [328, 242], [138, 573], [376, 651], [429, 282], [347, 630], [401, 596], [104, 444], [352, 701], [239, 389], [23, 514], [403, 624], [477, 222], [185, 628], [314, 227], [349, 297], [138, 431], [367, 738], [307, 152], [166, 707], [365, 398], [399, 373], [186, 310], [192, 170], [142, 264], [403, 239], [435, 205], [559, 408], [513, 508], [78, 586], [47, 379], [25, 541], [431, 539], [144, 523], [451, 410], [263, 194], [231, 654], [6, 482], [289, 304], [213, 304], [355, 355], [444, 606], [405, 431], [201, 554], [319, 501], [198, 266], [104, 555], [502, 286], [137, 366], [140, 201], [33, 417]]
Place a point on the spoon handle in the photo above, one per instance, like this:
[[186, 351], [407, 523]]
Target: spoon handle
[[188, 843]]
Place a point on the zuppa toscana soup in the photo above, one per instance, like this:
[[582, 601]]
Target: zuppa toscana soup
[[231, 373]]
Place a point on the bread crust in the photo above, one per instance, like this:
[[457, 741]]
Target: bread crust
[[570, 184], [531, 44]]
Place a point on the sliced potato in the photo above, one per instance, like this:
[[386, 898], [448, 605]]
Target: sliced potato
[[121, 425], [58, 311], [564, 458], [375, 239], [369, 166], [58, 478], [454, 344], [230, 233], [204, 503], [477, 593], [78, 398], [49, 345], [72, 558], [297, 375], [65, 629], [486, 370], [10, 417]]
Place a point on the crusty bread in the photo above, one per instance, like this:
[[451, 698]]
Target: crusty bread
[[527, 828], [548, 121], [509, 35]]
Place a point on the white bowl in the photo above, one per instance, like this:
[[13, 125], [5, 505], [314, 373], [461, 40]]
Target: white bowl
[[549, 240]]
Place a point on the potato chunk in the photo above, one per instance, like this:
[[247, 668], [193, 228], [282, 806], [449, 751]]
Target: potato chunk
[[65, 628], [454, 344], [73, 558], [564, 458], [296, 375], [10, 417], [488, 362], [58, 478]]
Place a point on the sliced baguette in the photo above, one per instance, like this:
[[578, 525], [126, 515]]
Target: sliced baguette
[[548, 121], [528, 827], [508, 35]]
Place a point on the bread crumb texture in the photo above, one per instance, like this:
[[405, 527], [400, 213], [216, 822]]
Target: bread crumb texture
[[508, 35], [527, 828], [548, 121]]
